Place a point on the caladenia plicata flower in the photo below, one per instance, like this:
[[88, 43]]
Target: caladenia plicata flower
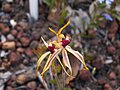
[[53, 53], [61, 45]]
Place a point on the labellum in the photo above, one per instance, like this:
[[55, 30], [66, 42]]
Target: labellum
[[51, 48], [65, 42]]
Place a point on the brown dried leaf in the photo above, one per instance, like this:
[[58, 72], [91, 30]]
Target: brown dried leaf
[[75, 64]]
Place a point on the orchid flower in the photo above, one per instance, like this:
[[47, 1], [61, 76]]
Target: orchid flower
[[55, 47], [52, 52], [62, 43]]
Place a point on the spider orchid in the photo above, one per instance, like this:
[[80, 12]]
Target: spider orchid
[[62, 43], [55, 47], [52, 52]]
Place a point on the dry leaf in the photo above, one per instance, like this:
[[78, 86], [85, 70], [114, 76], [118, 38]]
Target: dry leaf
[[75, 64]]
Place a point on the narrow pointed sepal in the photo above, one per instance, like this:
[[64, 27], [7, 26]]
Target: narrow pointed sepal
[[49, 61], [44, 42], [66, 60], [40, 61], [77, 55], [61, 29], [52, 31]]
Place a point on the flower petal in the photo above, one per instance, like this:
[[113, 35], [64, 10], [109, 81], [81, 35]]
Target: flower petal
[[40, 60], [64, 67], [60, 30], [49, 61], [52, 30], [44, 42], [66, 60], [77, 55]]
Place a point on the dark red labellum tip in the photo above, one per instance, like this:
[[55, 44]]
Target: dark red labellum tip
[[51, 48], [65, 42]]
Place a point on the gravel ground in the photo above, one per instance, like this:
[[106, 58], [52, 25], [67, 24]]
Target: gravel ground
[[18, 62]]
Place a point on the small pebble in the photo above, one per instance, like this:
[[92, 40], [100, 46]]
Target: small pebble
[[10, 37], [101, 81], [6, 65], [98, 62], [0, 44], [9, 45], [29, 52], [118, 43], [18, 28], [34, 59], [9, 88], [108, 61], [34, 44], [14, 32], [36, 35], [4, 28], [92, 32], [107, 87], [26, 61], [7, 8], [0, 63], [3, 39], [18, 44], [111, 36], [20, 50], [111, 49], [10, 1], [3, 53], [24, 25], [13, 77], [25, 41], [13, 23], [19, 35], [112, 76], [113, 83], [32, 85], [21, 79], [16, 59], [118, 69], [85, 75]]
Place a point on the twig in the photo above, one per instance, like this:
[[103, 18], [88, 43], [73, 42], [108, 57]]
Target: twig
[[43, 81], [63, 80], [51, 76], [21, 87]]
